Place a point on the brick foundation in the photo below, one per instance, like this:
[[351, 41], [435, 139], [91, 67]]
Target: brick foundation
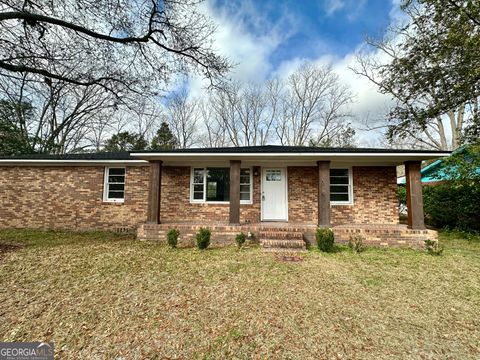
[[374, 235], [385, 235]]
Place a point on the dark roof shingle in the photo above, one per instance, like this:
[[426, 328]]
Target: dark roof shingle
[[264, 149]]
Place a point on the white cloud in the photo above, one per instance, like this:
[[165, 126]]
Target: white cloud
[[249, 50], [332, 6]]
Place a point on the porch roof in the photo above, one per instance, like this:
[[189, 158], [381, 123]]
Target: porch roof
[[289, 155]]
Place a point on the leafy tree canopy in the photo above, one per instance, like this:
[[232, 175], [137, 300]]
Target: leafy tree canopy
[[442, 53], [434, 69], [463, 166], [125, 141]]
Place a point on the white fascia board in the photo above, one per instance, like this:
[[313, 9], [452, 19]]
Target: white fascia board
[[232, 155]]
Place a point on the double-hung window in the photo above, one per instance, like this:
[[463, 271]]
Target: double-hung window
[[341, 186], [114, 185], [212, 184]]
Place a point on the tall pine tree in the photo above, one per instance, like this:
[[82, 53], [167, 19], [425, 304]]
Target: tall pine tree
[[164, 139]]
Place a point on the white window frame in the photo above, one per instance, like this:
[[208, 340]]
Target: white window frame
[[204, 201], [350, 187], [106, 185]]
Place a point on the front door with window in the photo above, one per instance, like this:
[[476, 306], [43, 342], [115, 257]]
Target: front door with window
[[274, 194]]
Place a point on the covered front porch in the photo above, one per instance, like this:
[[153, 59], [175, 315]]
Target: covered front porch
[[347, 193], [320, 191]]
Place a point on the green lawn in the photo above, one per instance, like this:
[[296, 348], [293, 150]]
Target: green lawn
[[98, 295]]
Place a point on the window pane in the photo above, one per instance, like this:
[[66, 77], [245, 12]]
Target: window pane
[[198, 188], [198, 176], [198, 195], [339, 189], [245, 196], [338, 172], [245, 188], [116, 171], [116, 179], [118, 187], [115, 194], [338, 197], [245, 172], [218, 184], [273, 175], [115, 186], [245, 179], [336, 180]]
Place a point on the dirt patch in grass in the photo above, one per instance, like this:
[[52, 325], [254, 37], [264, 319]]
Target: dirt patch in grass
[[101, 296], [5, 248], [288, 258]]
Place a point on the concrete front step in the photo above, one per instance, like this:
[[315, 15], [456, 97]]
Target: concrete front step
[[281, 235], [283, 244]]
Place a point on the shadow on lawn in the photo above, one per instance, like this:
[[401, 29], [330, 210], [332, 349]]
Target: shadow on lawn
[[336, 249], [5, 248], [51, 238]]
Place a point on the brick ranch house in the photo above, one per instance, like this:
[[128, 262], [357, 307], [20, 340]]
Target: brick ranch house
[[281, 194]]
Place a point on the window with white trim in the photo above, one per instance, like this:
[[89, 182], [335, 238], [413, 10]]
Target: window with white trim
[[212, 185], [114, 187], [340, 186], [245, 185]]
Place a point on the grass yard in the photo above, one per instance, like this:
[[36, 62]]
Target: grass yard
[[98, 295]]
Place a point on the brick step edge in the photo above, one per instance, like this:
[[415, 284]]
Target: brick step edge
[[285, 244], [280, 235]]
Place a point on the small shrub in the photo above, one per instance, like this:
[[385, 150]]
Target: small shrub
[[252, 238], [325, 239], [356, 243], [240, 239], [433, 247], [203, 238], [172, 237]]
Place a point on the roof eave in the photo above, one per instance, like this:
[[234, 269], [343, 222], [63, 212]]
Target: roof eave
[[64, 162], [396, 157]]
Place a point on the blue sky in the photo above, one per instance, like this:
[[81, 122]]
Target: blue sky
[[267, 38], [317, 27]]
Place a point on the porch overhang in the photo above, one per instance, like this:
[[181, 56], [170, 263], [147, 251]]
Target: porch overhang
[[288, 159]]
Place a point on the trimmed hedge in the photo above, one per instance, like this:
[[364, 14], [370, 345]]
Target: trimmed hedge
[[203, 238], [172, 237]]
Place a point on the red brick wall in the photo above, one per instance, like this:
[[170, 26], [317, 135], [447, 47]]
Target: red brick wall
[[72, 198], [176, 200], [69, 198], [374, 196]]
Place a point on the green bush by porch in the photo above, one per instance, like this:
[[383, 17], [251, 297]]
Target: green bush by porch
[[325, 239]]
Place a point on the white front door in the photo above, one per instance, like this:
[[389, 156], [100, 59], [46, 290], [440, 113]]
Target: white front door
[[274, 194]]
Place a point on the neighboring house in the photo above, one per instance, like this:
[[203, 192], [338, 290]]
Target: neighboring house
[[281, 194], [435, 173]]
